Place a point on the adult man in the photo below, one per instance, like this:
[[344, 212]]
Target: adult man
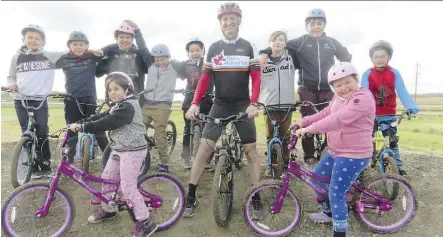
[[229, 62]]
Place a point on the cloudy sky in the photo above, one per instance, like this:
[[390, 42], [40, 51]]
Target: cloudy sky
[[411, 27]]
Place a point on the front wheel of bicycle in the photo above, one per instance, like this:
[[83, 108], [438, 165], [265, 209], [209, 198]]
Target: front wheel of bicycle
[[196, 137], [390, 166], [401, 212], [223, 191], [19, 212], [272, 224], [168, 192], [171, 135], [278, 164], [86, 153], [21, 164]]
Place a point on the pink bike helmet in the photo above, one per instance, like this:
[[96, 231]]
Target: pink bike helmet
[[124, 28], [128, 79], [341, 70]]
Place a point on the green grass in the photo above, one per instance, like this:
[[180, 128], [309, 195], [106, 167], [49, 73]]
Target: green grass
[[422, 134]]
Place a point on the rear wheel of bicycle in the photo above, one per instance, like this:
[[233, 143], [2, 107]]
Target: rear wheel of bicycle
[[86, 153], [223, 191], [21, 164], [278, 163], [168, 195], [171, 135], [19, 212], [277, 224], [401, 212], [390, 166]]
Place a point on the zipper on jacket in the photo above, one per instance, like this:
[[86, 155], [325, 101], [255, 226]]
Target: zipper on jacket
[[156, 84], [319, 65]]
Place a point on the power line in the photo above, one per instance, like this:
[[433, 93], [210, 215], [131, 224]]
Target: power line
[[417, 67]]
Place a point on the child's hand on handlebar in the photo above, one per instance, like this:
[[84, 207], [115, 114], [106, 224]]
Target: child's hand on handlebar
[[296, 123], [301, 132], [74, 127], [12, 87]]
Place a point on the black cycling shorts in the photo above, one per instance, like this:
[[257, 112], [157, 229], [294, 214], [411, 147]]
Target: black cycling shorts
[[246, 130]]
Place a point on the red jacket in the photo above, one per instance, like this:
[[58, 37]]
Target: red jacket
[[382, 87]]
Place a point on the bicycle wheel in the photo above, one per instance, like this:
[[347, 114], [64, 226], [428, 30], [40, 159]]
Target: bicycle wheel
[[196, 137], [277, 224], [19, 212], [237, 147], [169, 194], [171, 136], [372, 216], [223, 191], [390, 166], [278, 163], [21, 164], [86, 153]]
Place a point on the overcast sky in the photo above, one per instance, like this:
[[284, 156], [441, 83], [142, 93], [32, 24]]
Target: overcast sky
[[413, 28]]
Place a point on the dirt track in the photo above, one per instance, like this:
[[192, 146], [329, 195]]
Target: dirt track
[[424, 171]]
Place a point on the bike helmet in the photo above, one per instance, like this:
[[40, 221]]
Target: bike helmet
[[194, 40], [35, 28], [341, 70], [229, 7], [128, 79], [77, 36], [381, 45], [124, 28], [160, 50], [316, 13]]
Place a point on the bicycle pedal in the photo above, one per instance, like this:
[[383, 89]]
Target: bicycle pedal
[[275, 165], [54, 136]]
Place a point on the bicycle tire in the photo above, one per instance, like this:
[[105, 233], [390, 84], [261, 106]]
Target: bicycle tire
[[32, 186], [277, 157], [86, 150], [391, 168], [15, 161], [238, 147], [174, 137], [165, 225], [253, 224], [392, 228], [219, 174]]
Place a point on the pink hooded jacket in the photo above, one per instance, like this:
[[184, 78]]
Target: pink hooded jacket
[[348, 124]]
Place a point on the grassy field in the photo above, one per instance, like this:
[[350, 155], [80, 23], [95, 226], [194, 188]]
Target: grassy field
[[421, 134]]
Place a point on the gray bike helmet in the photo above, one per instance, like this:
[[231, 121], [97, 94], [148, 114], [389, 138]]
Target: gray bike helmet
[[315, 13], [381, 45], [160, 50], [77, 36]]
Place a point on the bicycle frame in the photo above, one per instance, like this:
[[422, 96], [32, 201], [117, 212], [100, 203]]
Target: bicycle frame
[[306, 176], [79, 176]]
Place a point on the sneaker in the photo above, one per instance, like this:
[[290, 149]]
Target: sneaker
[[189, 208], [320, 217], [402, 172], [257, 209], [145, 228], [37, 175], [101, 216], [164, 168], [208, 164], [47, 174], [186, 163]]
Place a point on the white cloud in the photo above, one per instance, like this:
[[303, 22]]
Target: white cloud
[[410, 26]]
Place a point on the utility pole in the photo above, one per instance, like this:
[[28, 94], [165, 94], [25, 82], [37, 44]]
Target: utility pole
[[417, 67]]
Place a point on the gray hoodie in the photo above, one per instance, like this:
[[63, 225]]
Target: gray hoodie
[[277, 81], [162, 83]]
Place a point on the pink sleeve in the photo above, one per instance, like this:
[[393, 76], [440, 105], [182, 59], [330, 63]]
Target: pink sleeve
[[306, 121], [358, 106]]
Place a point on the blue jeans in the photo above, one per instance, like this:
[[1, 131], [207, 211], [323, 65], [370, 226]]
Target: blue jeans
[[342, 173]]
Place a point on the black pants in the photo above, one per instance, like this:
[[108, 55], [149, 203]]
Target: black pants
[[41, 128], [314, 97], [73, 115], [205, 107]]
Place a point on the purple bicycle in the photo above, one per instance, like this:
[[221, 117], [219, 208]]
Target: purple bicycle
[[367, 199], [28, 210]]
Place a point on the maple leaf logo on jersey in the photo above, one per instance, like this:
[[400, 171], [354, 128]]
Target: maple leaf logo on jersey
[[220, 59]]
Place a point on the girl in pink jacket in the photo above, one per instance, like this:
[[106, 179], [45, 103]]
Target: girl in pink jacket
[[348, 122]]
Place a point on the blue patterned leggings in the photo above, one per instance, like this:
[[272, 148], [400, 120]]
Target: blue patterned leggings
[[343, 172]]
